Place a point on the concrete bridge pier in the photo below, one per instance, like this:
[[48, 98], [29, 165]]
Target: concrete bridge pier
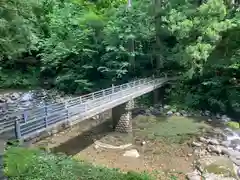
[[158, 95], [122, 117]]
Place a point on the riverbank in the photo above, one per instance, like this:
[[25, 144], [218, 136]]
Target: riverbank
[[29, 164]]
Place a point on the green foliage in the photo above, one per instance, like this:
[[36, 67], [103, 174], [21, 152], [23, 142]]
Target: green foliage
[[84, 45], [32, 164], [233, 124], [19, 79], [19, 29]]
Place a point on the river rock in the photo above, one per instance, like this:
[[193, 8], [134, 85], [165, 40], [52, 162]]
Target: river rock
[[203, 140], [226, 143], [178, 114], [216, 149], [219, 165], [166, 107], [207, 113], [235, 143], [155, 112], [230, 152], [131, 153], [169, 113], [213, 141], [195, 175], [212, 176], [27, 97], [218, 116], [235, 160], [15, 96], [225, 118], [197, 144]]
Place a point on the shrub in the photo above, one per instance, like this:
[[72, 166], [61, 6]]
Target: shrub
[[32, 164], [233, 124]]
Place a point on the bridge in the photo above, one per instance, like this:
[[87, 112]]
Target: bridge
[[31, 123]]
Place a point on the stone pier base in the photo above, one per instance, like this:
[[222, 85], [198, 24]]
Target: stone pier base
[[122, 117]]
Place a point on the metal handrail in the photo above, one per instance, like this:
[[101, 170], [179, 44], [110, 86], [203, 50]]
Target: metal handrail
[[83, 97], [40, 124], [48, 120], [144, 81], [81, 100], [45, 117]]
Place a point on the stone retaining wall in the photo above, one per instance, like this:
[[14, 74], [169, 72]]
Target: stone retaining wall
[[122, 117]]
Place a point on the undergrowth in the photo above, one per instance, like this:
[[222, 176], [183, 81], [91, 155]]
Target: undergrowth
[[19, 79], [32, 164]]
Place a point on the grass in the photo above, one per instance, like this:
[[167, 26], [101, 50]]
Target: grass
[[33, 164], [172, 129]]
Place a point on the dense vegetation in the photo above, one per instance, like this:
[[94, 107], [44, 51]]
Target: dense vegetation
[[79, 46], [32, 164]]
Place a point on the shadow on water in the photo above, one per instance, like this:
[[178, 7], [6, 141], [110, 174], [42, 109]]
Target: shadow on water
[[85, 139]]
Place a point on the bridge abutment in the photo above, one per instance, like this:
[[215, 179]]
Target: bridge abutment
[[122, 117]]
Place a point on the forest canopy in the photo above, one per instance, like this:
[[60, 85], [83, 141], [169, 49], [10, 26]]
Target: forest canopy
[[79, 46]]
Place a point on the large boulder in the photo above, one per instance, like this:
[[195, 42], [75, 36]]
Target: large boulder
[[218, 165]]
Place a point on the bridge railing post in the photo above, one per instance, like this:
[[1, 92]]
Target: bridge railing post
[[46, 116], [24, 116], [17, 130], [112, 88], [67, 108], [103, 93]]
